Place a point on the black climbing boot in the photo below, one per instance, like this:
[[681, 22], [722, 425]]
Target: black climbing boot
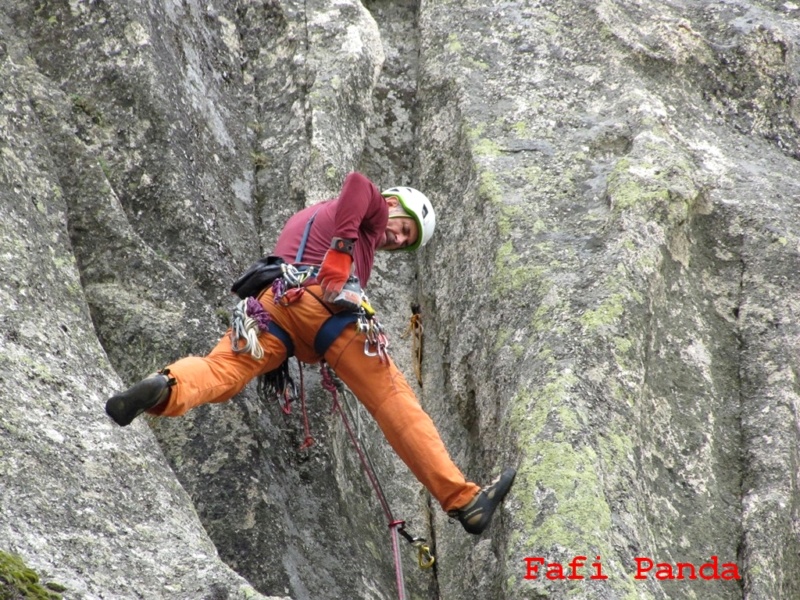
[[147, 394], [476, 515]]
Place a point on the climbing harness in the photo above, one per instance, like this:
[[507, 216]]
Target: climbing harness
[[425, 558], [415, 329]]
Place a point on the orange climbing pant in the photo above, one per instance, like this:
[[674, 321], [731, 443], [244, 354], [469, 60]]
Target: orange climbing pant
[[378, 385]]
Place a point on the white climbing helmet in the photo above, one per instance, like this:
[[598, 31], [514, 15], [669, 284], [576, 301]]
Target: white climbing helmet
[[417, 205]]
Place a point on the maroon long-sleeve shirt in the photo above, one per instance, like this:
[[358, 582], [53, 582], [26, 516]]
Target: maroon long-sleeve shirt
[[359, 213]]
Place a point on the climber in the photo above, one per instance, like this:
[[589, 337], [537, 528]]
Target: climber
[[339, 235]]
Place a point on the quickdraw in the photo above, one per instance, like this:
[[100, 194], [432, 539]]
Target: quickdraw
[[376, 343], [296, 276], [289, 288], [425, 558], [415, 329]]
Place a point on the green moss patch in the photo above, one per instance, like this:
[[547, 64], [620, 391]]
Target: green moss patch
[[18, 582]]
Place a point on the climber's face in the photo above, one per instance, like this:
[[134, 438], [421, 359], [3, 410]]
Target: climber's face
[[401, 230]]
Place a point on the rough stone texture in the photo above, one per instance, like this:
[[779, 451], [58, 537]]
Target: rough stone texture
[[631, 342], [610, 303]]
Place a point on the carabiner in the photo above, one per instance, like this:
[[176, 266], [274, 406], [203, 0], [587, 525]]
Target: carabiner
[[424, 557], [366, 349]]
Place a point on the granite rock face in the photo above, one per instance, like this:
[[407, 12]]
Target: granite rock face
[[610, 302]]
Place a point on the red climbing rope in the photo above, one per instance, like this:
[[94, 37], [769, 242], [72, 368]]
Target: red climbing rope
[[285, 391], [425, 558]]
